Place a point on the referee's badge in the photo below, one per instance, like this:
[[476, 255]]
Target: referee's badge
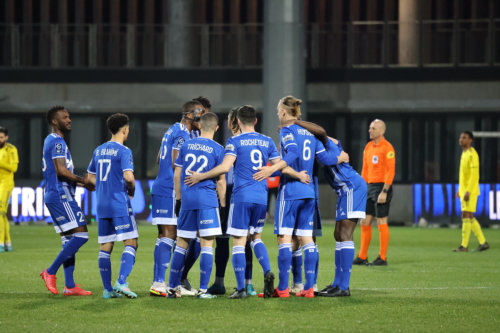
[[390, 154], [375, 159]]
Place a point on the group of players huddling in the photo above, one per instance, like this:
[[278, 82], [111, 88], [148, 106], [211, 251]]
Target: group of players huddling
[[206, 192]]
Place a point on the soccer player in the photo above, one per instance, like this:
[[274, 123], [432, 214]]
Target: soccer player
[[294, 213], [379, 168], [8, 166], [112, 171], [60, 183], [200, 208], [163, 197], [468, 191], [351, 189]]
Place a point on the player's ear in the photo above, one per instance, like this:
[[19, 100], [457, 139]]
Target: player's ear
[[216, 128], [255, 122]]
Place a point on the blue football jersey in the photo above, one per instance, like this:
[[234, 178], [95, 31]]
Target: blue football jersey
[[200, 155], [173, 139], [57, 189], [109, 162], [341, 177], [296, 139], [252, 151]]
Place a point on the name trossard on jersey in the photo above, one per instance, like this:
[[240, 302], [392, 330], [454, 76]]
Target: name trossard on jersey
[[57, 189], [109, 162], [200, 155], [173, 139], [252, 151]]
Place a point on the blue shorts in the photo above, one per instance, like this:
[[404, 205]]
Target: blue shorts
[[351, 204], [294, 217], [317, 230], [115, 229], [163, 210], [246, 217], [206, 221], [66, 215]]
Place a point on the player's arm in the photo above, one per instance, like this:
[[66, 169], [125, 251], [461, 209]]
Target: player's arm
[[177, 182], [62, 171], [13, 162], [390, 173], [175, 153], [474, 176], [328, 159], [158, 157], [302, 176], [364, 170], [130, 182], [219, 170], [316, 130], [221, 190]]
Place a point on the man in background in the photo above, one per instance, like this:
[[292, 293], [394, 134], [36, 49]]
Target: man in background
[[468, 191], [8, 166]]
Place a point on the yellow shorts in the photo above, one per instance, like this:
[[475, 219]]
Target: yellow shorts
[[469, 206]]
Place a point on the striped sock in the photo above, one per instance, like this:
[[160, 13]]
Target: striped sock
[[128, 261], [284, 263], [239, 265], [176, 267], [262, 256], [206, 260], [165, 251], [68, 265], [104, 262], [347, 254], [297, 266], [69, 250], [310, 260], [336, 279]]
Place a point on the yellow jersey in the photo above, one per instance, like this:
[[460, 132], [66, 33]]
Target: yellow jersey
[[9, 161], [469, 173]]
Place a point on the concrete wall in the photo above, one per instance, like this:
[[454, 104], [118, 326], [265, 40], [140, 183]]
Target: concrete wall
[[156, 97]]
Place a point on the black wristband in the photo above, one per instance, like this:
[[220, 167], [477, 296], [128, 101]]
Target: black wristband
[[384, 190]]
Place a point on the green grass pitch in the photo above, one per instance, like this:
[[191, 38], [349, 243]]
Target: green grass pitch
[[426, 287]]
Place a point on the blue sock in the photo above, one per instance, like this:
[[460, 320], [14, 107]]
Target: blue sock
[[128, 260], [104, 262], [262, 256], [164, 253], [310, 259], [347, 254], [336, 279], [192, 254], [206, 260], [317, 266], [178, 259], [239, 264], [69, 250], [249, 261], [284, 263], [156, 260], [69, 266], [297, 266]]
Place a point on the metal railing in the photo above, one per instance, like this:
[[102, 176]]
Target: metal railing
[[346, 45]]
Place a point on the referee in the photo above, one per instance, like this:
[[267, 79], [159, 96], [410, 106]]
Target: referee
[[379, 168]]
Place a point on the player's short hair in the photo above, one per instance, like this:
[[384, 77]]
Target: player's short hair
[[52, 112], [203, 101], [233, 120], [209, 121], [291, 105], [116, 121], [4, 131], [247, 114], [190, 106], [469, 133]]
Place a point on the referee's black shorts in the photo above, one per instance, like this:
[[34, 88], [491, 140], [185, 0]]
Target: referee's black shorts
[[372, 206]]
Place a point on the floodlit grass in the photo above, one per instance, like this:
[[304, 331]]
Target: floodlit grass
[[426, 287]]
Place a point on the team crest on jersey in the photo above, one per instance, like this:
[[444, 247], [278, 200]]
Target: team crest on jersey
[[287, 138], [390, 154], [58, 148], [180, 142], [375, 159], [230, 147]]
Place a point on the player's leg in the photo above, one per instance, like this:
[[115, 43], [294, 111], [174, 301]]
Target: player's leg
[[186, 230], [474, 224], [209, 226], [249, 268], [296, 267], [126, 231], [317, 232], [366, 233], [68, 220], [106, 236], [304, 232], [5, 241], [382, 213], [163, 210], [221, 259], [192, 254], [257, 221]]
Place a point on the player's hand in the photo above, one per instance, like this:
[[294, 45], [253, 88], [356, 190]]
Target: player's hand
[[178, 204], [382, 198], [458, 195], [466, 196], [195, 178], [304, 177], [263, 173], [343, 157], [89, 186]]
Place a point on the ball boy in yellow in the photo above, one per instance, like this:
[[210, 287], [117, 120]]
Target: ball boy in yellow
[[8, 166]]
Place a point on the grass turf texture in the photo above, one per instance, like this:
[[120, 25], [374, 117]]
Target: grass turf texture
[[426, 287]]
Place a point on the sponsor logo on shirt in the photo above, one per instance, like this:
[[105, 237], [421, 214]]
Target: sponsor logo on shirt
[[58, 148], [287, 137], [230, 147], [375, 159]]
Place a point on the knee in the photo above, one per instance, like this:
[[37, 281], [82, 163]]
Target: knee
[[336, 235]]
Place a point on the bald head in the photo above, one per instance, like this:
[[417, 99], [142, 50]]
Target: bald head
[[377, 129]]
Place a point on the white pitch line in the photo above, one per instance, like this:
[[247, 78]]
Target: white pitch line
[[437, 288]]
